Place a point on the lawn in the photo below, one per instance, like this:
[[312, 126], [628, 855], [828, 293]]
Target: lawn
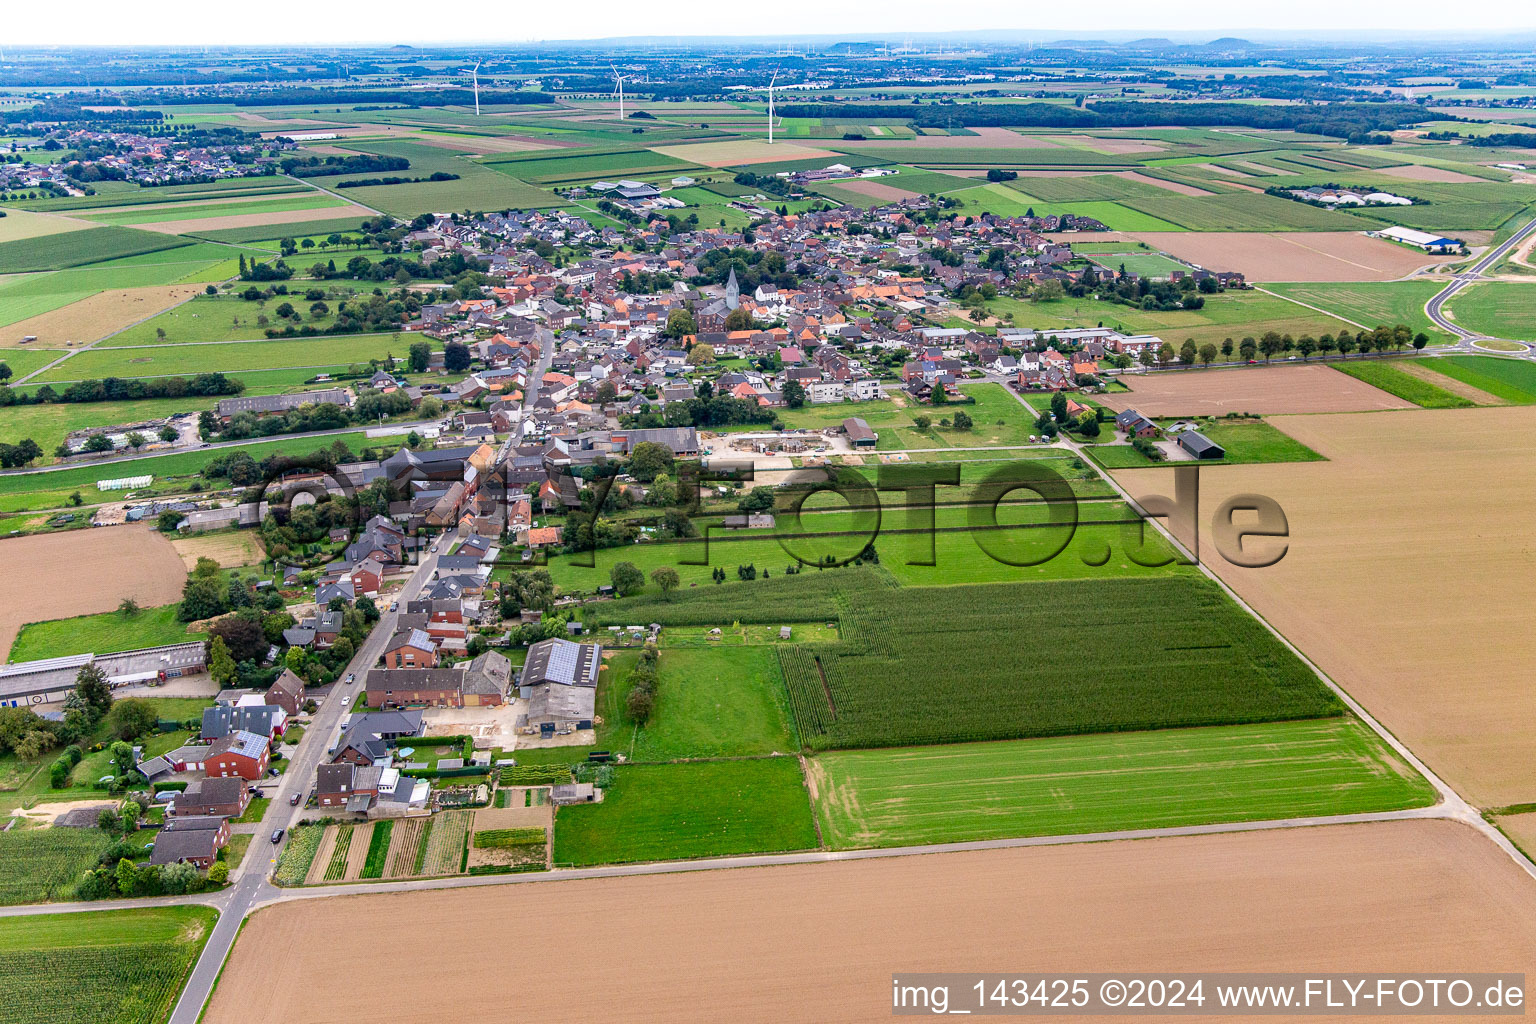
[[75, 248], [1084, 784], [208, 318], [115, 967], [106, 633], [687, 810], [1374, 304], [1513, 380], [1245, 441], [1500, 309], [711, 702], [1389, 378], [321, 226], [203, 210], [49, 424], [1143, 264]]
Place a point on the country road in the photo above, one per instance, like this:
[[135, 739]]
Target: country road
[[1435, 307]]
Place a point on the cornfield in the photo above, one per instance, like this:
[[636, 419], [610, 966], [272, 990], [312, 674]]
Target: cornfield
[[937, 665], [303, 844], [807, 596], [41, 864], [120, 984]]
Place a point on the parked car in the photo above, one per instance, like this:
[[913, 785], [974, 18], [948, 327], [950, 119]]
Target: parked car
[[393, 605], [277, 836], [293, 801]]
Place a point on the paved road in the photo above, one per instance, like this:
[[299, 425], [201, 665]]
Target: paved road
[[252, 887], [1435, 307]]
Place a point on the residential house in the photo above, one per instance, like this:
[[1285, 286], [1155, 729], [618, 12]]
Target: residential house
[[242, 754]]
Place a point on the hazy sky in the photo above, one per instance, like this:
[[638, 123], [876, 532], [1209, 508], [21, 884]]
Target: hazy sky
[[119, 22]]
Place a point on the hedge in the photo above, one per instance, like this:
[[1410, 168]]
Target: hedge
[[169, 786]]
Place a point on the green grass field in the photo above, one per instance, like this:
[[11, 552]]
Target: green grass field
[[1513, 380], [1406, 386], [118, 966], [1142, 264], [1084, 784], [1500, 309], [76, 248], [321, 226], [208, 318], [1374, 304], [106, 633], [178, 360], [689, 810], [205, 210], [711, 702], [33, 294], [1245, 442]]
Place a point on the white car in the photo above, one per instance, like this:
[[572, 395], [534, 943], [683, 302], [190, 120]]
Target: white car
[[345, 701]]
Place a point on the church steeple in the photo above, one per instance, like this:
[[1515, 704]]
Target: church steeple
[[732, 290]]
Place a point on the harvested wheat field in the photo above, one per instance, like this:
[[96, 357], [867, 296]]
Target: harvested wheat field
[[874, 189], [1262, 390], [124, 561], [1521, 829], [1423, 172], [1292, 256], [744, 151], [257, 220], [230, 550], [1410, 895], [1409, 578], [97, 316]]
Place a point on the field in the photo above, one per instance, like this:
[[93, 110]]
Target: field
[[115, 967], [1396, 379], [1390, 896], [75, 248], [19, 224], [97, 315], [229, 549], [1081, 784], [1243, 440], [1158, 654], [43, 864], [690, 809], [1513, 380], [710, 703], [176, 360], [1293, 256], [1372, 304], [744, 151], [1417, 610], [131, 561], [1499, 309], [102, 633], [1261, 390], [30, 295]]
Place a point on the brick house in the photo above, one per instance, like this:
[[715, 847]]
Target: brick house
[[240, 754], [445, 618], [338, 784], [211, 798], [287, 692], [413, 649], [195, 840]]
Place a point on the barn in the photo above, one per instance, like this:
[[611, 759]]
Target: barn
[[1200, 446]]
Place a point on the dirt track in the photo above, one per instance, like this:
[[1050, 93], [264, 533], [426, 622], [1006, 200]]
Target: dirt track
[[114, 562], [820, 942], [1255, 389], [1409, 578]]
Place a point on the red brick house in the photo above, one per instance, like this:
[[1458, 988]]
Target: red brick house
[[287, 692], [194, 840], [338, 784], [413, 649], [211, 798], [240, 754], [445, 618]]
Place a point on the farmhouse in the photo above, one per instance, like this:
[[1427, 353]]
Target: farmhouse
[[1200, 446], [479, 683], [1136, 425], [559, 681], [268, 720], [242, 754]]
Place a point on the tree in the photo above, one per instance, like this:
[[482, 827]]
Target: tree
[[167, 433], [220, 665], [1059, 405], [92, 687], [794, 394], [243, 638], [1270, 344], [455, 357], [1419, 341], [1247, 349], [701, 355], [218, 872], [131, 718], [98, 443], [1188, 352], [922, 422], [1164, 354], [962, 421], [1226, 348], [626, 578], [738, 319], [666, 578], [650, 459], [420, 356], [679, 323], [1208, 354]]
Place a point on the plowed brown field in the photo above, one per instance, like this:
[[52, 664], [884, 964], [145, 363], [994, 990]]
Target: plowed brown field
[[1293, 256], [820, 942], [1410, 577], [1255, 389]]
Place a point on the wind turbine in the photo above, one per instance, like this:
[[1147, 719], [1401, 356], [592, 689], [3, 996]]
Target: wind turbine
[[619, 89], [475, 76], [775, 78]]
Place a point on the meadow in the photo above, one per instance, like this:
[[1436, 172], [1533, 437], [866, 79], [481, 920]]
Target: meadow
[[1083, 784], [688, 810], [1244, 441], [1389, 378], [1500, 309], [207, 209], [943, 666], [1513, 380], [208, 318], [314, 353], [1374, 304], [106, 633], [119, 966]]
